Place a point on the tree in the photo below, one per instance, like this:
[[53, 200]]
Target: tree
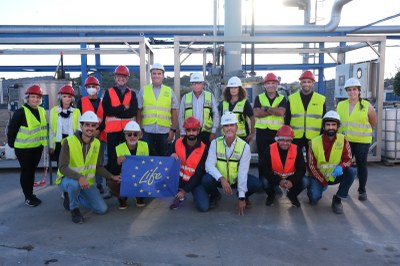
[[396, 84]]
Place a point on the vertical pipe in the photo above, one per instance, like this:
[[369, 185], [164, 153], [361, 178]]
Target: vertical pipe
[[233, 28]]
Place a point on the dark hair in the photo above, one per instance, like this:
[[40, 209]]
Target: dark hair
[[227, 94]]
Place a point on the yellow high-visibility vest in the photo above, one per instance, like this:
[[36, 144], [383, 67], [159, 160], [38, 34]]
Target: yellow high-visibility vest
[[157, 111], [207, 110], [238, 111], [142, 149], [35, 133], [272, 122]]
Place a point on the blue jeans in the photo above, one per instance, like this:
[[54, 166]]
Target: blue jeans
[[98, 178], [158, 142], [315, 189], [200, 198], [89, 198], [360, 152], [211, 185]]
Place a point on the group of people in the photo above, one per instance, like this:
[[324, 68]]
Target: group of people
[[146, 124]]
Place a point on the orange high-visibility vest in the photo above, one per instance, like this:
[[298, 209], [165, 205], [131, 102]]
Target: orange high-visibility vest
[[113, 123], [188, 165], [277, 165]]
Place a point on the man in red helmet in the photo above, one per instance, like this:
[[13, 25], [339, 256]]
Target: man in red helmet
[[193, 154], [120, 107], [92, 102], [284, 166], [305, 110], [269, 110]]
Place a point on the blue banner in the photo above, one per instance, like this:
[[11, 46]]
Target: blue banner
[[149, 176]]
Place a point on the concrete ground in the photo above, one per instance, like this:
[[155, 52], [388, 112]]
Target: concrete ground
[[368, 233]]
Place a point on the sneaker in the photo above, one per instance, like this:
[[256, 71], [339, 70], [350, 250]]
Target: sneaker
[[214, 200], [140, 202], [176, 204], [337, 206], [362, 196], [100, 188], [77, 216], [31, 202], [294, 200], [122, 203], [107, 195], [248, 203], [36, 199], [270, 200], [66, 201]]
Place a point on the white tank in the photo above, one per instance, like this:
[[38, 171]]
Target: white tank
[[391, 133]]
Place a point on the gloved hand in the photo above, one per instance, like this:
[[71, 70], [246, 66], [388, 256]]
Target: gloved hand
[[338, 171]]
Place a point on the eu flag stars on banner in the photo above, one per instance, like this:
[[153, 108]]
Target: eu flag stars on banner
[[149, 176]]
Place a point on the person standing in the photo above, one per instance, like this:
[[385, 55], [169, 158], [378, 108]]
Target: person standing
[[201, 104], [358, 118], [120, 107], [269, 110], [92, 102], [235, 100], [284, 166], [158, 111], [227, 166], [64, 120], [305, 110], [329, 161], [27, 134], [193, 154], [80, 160], [132, 146]]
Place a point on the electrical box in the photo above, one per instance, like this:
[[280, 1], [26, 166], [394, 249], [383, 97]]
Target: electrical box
[[361, 71], [342, 74]]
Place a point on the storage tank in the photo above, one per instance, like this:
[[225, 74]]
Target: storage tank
[[391, 134]]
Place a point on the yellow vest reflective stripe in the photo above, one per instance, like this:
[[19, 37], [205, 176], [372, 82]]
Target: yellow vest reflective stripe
[[207, 109], [54, 116], [229, 167], [355, 126], [272, 122], [326, 167], [157, 111], [142, 149], [35, 133], [85, 167], [238, 111], [309, 121]]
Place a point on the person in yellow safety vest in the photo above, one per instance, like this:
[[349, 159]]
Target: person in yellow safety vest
[[269, 109], [158, 111], [235, 100], [192, 153], [305, 110], [80, 161], [329, 162], [27, 134], [120, 107], [202, 105], [227, 166], [63, 122], [358, 119], [283, 166], [132, 146]]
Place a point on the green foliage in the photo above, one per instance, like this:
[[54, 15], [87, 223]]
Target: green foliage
[[396, 84]]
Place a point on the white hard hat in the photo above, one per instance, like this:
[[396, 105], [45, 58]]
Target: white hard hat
[[90, 117], [234, 82], [331, 115], [196, 77], [157, 66], [352, 82], [228, 118], [132, 126]]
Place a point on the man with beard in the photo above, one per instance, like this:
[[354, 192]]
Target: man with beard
[[193, 154], [132, 146], [329, 161]]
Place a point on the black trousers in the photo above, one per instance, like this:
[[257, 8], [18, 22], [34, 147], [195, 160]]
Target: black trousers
[[113, 140], [28, 160], [264, 138]]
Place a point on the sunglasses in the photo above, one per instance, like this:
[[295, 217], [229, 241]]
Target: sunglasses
[[135, 134]]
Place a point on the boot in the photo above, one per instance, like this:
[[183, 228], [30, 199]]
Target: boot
[[337, 206]]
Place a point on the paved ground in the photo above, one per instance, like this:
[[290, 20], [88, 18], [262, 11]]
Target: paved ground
[[367, 234]]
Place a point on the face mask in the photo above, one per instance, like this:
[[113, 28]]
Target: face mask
[[91, 91]]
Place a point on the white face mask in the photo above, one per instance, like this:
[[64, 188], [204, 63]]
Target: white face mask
[[91, 91]]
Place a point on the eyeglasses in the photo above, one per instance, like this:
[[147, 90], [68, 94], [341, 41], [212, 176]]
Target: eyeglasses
[[135, 134]]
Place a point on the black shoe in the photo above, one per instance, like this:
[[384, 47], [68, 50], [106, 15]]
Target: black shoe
[[270, 200], [36, 199], [214, 200], [66, 201], [31, 202], [362, 196], [294, 200], [140, 202], [100, 188], [77, 216], [337, 206]]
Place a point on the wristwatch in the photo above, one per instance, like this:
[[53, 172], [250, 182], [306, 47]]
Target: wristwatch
[[241, 199], [266, 108]]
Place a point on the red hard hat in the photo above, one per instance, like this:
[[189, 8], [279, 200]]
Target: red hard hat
[[285, 131], [307, 75], [34, 89], [92, 81], [67, 89], [121, 70], [191, 123], [270, 77]]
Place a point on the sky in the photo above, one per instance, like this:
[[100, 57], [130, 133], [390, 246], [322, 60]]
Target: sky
[[182, 12]]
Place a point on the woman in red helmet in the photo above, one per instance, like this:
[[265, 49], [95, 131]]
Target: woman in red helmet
[[64, 120], [27, 134]]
